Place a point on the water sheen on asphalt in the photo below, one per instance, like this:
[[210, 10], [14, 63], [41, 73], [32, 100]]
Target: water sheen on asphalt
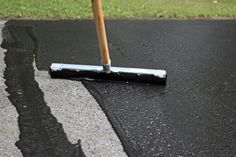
[[194, 115]]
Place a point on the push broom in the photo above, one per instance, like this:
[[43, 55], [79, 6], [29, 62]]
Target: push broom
[[106, 71]]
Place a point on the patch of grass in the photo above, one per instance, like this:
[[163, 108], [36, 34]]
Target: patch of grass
[[76, 9]]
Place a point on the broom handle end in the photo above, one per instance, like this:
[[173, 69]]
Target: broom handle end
[[101, 32]]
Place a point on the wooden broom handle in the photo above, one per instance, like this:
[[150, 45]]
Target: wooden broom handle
[[101, 31]]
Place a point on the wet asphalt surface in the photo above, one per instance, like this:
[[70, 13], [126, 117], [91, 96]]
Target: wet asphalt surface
[[194, 115], [41, 134]]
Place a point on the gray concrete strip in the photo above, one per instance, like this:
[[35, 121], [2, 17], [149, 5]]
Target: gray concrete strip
[[9, 130], [81, 116]]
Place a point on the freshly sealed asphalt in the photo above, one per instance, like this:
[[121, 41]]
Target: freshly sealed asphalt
[[194, 115]]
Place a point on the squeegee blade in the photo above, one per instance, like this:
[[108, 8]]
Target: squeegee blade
[[151, 76]]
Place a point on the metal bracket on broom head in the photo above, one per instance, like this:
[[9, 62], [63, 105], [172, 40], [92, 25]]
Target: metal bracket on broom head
[[106, 71]]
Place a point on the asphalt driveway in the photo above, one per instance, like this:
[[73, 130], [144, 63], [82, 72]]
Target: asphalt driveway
[[194, 115]]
